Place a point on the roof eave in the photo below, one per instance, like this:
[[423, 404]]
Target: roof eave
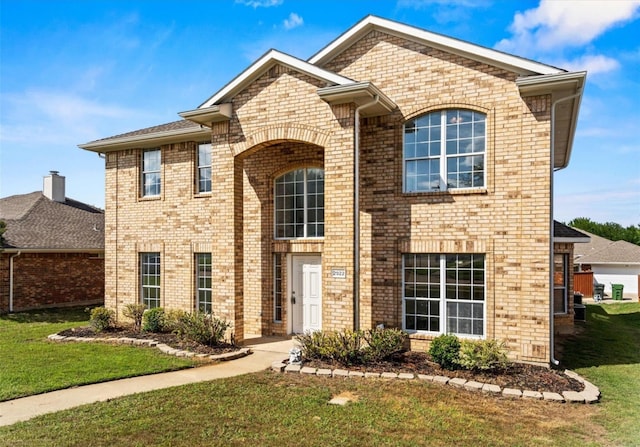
[[149, 140], [52, 250], [208, 115], [572, 240], [359, 93]]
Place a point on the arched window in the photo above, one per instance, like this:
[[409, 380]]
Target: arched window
[[445, 150], [299, 204]]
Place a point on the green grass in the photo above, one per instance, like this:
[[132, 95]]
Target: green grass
[[30, 364], [607, 353]]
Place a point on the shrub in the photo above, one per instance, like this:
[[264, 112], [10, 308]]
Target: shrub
[[483, 354], [315, 345], [172, 318], [347, 347], [135, 312], [153, 320], [101, 318], [444, 350], [383, 343], [202, 328]]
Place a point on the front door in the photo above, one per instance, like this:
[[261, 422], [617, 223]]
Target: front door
[[306, 293]]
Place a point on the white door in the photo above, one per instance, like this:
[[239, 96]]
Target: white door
[[306, 294]]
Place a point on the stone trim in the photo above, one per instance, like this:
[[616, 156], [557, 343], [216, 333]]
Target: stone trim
[[166, 349], [589, 395]]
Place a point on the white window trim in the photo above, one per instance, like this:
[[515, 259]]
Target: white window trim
[[278, 259], [305, 196], [197, 279], [201, 166], [443, 301], [443, 157], [145, 172], [141, 278]]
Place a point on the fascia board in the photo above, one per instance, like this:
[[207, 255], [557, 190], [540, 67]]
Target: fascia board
[[53, 250], [441, 42], [208, 115], [354, 92], [268, 60], [572, 240], [147, 140]]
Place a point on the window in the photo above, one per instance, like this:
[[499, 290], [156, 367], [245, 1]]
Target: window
[[151, 172], [204, 167], [150, 279], [444, 150], [560, 281], [299, 204], [204, 302], [444, 293], [277, 287]]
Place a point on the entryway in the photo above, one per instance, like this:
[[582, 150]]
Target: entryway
[[305, 300]]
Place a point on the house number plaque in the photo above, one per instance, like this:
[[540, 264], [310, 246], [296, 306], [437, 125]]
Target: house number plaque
[[339, 273]]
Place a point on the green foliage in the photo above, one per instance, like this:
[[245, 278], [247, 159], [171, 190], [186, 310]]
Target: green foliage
[[153, 320], [352, 347], [172, 319], [3, 228], [134, 311], [101, 318], [202, 328], [608, 230], [445, 351], [483, 355]]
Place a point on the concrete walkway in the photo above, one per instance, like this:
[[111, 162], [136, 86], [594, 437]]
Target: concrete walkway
[[265, 351]]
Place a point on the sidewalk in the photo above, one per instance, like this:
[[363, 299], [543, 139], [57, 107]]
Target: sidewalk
[[265, 351]]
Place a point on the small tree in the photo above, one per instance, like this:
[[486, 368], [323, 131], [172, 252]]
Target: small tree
[[135, 311]]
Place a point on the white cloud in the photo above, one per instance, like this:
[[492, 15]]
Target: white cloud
[[260, 3], [293, 21], [560, 24], [594, 64]]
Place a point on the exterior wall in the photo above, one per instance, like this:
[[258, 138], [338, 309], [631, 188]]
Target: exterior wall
[[42, 280], [280, 123]]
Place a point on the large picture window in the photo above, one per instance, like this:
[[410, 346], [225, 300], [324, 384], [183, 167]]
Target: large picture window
[[151, 172], [445, 150], [204, 302], [204, 168], [299, 204], [444, 293], [150, 279]]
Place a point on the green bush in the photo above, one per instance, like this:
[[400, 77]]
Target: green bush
[[315, 345], [134, 311], [153, 320], [172, 318], [483, 354], [347, 347], [101, 318], [202, 328], [383, 343], [445, 351]]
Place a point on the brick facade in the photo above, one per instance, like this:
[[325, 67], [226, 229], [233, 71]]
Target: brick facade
[[280, 123]]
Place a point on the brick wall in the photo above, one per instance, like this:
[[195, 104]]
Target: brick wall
[[44, 280]]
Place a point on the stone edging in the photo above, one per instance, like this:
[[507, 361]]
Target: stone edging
[[589, 395], [154, 344]]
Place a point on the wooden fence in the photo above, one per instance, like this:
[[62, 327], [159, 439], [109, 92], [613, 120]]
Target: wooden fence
[[583, 283]]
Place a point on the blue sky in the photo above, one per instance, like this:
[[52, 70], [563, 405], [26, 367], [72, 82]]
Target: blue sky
[[76, 71]]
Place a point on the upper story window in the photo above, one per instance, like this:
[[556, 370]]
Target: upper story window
[[204, 167], [151, 172], [299, 204], [445, 150]]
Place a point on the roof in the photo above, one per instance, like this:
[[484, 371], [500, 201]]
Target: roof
[[603, 251], [534, 78], [38, 224], [564, 233]]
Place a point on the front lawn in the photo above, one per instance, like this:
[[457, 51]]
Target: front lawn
[[30, 364]]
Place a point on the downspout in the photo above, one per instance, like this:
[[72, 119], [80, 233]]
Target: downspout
[[356, 213], [11, 280], [552, 357]]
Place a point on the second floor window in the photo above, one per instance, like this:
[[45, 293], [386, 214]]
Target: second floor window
[[204, 167], [444, 150], [151, 173], [299, 204]]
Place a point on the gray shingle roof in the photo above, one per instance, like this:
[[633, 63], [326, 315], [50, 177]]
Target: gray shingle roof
[[175, 125], [561, 230], [35, 222], [604, 251]]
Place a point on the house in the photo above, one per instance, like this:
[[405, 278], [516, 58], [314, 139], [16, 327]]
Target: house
[[397, 177], [611, 263], [52, 252]]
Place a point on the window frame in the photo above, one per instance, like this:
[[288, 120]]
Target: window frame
[[206, 167], [443, 157], [436, 288], [145, 296], [563, 287], [204, 295], [278, 288], [307, 224], [146, 172]]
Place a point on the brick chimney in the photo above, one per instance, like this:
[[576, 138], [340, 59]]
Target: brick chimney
[[53, 188]]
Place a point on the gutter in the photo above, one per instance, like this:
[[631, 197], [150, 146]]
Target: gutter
[[11, 279], [552, 357], [356, 213]]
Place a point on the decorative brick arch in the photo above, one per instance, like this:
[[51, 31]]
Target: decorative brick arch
[[281, 132]]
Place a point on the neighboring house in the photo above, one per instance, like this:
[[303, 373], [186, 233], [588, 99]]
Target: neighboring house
[[53, 250], [611, 263], [397, 177]]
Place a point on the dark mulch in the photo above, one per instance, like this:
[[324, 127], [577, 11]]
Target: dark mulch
[[516, 375], [168, 339]]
